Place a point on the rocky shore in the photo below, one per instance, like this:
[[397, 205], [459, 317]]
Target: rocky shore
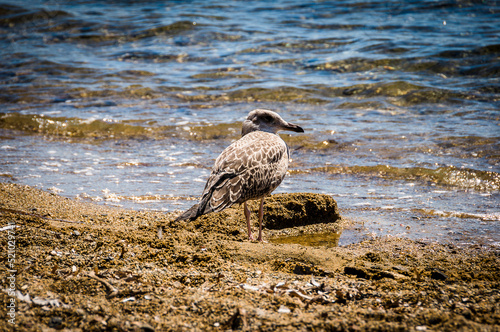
[[78, 266]]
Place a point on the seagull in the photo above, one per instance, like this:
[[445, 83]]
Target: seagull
[[248, 169]]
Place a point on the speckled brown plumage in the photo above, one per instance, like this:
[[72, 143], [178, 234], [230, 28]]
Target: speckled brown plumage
[[250, 168]]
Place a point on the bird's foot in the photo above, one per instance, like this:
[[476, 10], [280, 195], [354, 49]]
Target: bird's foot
[[259, 239]]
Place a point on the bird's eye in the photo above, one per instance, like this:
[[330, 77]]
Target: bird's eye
[[268, 118]]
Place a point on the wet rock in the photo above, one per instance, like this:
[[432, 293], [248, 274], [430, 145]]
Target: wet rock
[[56, 322], [358, 272], [373, 273], [304, 269], [299, 209], [438, 275], [280, 211]]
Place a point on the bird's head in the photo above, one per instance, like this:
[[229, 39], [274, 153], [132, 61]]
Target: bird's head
[[269, 121]]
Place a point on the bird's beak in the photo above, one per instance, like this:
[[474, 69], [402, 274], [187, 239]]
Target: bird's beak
[[293, 127]]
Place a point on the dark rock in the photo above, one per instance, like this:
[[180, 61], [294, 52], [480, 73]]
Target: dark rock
[[56, 322], [438, 275], [299, 209], [358, 272]]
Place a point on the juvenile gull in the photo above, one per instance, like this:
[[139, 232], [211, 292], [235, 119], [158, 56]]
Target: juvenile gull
[[250, 168]]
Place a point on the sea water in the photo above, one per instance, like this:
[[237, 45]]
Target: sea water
[[128, 103]]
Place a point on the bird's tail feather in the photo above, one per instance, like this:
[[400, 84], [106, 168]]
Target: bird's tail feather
[[190, 214], [203, 207]]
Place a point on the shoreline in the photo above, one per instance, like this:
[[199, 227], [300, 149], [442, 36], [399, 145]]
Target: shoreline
[[92, 267]]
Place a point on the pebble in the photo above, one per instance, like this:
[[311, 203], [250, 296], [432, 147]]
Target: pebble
[[284, 310]]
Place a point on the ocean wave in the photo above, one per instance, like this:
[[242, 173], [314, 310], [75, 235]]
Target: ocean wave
[[464, 178], [102, 129]]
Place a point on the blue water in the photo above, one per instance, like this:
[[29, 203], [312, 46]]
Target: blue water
[[110, 101]]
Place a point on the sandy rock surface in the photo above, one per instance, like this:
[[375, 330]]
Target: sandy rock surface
[[85, 267]]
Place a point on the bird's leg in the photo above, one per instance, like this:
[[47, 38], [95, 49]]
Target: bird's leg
[[261, 215], [247, 215]]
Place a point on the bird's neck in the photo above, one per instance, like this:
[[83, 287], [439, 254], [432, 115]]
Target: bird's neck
[[249, 127]]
